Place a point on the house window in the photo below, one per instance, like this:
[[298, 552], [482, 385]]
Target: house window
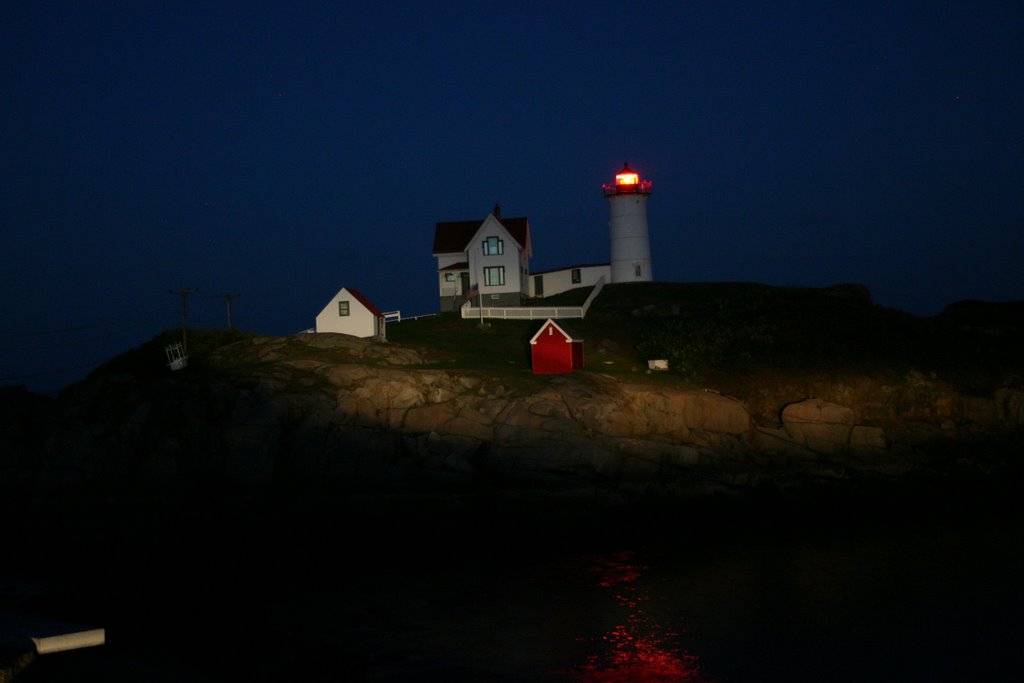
[[342, 308], [576, 276], [636, 269], [449, 277], [495, 275], [494, 246]]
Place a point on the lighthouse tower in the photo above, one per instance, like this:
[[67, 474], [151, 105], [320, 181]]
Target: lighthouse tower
[[631, 250]]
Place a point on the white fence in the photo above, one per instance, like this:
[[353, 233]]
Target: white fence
[[523, 313], [417, 317], [534, 312]]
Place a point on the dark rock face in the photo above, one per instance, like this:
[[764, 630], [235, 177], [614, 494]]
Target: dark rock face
[[359, 421], [24, 420]]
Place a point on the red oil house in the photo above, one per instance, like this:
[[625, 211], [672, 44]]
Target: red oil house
[[554, 351]]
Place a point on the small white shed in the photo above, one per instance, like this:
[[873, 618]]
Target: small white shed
[[349, 312]]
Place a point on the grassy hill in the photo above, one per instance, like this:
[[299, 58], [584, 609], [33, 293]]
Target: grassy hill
[[735, 338], [723, 333]]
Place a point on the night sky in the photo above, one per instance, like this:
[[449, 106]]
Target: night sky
[[283, 150]]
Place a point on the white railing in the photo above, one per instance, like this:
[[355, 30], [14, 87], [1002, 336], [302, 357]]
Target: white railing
[[593, 295], [534, 312], [417, 317], [392, 316], [523, 312]]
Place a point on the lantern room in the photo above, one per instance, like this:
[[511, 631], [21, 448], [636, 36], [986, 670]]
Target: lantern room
[[627, 181]]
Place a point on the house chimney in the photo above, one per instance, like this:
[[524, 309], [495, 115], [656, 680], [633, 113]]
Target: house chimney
[[497, 210]]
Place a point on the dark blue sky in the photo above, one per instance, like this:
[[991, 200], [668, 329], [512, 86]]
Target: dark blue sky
[[284, 150]]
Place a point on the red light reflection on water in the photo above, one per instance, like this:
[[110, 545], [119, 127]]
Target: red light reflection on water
[[639, 647]]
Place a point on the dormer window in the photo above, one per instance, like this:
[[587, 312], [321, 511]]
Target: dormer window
[[494, 246]]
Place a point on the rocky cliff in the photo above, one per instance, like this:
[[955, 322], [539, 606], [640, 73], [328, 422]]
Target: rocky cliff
[[330, 413]]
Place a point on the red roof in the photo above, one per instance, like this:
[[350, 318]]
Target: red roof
[[358, 296], [454, 236]]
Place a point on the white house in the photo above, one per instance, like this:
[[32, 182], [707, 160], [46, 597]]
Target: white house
[[349, 312], [551, 282], [490, 258]]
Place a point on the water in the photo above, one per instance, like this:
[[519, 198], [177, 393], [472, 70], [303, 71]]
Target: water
[[852, 592]]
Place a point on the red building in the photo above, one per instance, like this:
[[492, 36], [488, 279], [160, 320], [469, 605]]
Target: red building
[[553, 350]]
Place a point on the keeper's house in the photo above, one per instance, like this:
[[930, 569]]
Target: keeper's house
[[489, 258]]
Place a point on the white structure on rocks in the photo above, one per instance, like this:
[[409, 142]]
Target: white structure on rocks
[[630, 246], [490, 259], [349, 312]]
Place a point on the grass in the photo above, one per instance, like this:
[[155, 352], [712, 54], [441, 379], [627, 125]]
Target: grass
[[726, 333], [498, 349], [728, 336], [503, 346], [448, 339]]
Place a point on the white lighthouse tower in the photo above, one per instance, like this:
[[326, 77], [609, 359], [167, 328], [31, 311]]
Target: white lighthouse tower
[[631, 250]]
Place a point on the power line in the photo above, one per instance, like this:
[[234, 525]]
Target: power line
[[43, 373], [64, 330], [97, 325], [184, 294], [228, 297]]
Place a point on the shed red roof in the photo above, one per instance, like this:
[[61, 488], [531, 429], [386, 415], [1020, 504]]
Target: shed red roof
[[358, 296], [453, 236]]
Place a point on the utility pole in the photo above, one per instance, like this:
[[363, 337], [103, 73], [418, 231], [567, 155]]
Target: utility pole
[[228, 296], [183, 293]]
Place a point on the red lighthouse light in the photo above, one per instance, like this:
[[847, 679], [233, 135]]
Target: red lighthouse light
[[627, 177], [627, 181]]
